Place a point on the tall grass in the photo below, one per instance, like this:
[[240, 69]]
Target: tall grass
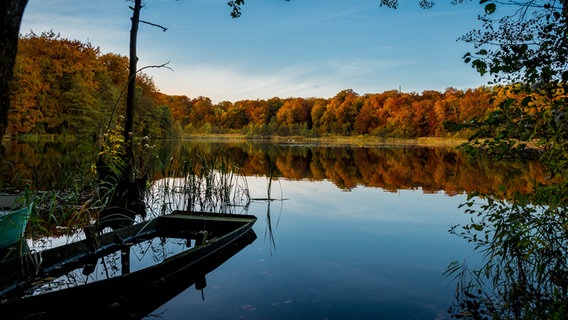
[[271, 225], [63, 198], [67, 200], [199, 183], [73, 204]]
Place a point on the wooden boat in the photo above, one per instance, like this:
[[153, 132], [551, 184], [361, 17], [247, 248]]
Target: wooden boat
[[212, 239], [14, 215]]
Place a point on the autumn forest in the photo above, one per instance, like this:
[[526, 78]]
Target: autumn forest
[[65, 87], [95, 140]]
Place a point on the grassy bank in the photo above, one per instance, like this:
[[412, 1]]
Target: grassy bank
[[324, 140], [331, 140], [44, 138]]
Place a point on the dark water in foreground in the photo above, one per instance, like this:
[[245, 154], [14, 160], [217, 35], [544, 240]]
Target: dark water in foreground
[[357, 233], [362, 254]]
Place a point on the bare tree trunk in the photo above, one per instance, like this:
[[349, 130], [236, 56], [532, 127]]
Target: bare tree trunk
[[11, 12], [128, 196], [130, 95]]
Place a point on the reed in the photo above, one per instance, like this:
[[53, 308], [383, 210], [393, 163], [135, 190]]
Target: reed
[[72, 201], [61, 210], [271, 225], [199, 183]]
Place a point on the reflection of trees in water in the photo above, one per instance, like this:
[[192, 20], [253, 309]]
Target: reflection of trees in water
[[48, 166], [57, 166], [524, 239], [389, 168], [53, 165]]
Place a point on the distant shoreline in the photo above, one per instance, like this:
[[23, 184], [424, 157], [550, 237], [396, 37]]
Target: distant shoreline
[[331, 140], [334, 140]]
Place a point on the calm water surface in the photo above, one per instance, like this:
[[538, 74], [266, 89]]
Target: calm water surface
[[361, 254], [357, 233]]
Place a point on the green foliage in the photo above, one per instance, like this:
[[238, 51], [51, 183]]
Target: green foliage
[[113, 150], [112, 158], [521, 41], [523, 240], [524, 270], [489, 8]]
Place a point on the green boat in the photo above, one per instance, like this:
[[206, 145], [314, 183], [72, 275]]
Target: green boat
[[15, 212]]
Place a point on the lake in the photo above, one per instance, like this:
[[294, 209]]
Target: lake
[[351, 232]]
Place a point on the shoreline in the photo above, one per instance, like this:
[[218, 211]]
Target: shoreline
[[331, 140]]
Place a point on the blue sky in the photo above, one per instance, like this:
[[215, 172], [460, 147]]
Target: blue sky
[[301, 48]]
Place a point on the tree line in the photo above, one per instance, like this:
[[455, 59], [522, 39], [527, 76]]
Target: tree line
[[67, 87], [387, 114]]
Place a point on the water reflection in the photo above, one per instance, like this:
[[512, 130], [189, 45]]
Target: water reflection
[[47, 166], [379, 249], [365, 254], [51, 165], [124, 274], [389, 168]]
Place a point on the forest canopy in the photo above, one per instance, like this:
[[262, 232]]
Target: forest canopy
[[67, 87], [64, 86]]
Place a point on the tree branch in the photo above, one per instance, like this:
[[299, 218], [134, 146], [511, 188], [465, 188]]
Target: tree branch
[[155, 25], [163, 65]]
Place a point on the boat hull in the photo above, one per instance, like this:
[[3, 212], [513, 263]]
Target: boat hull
[[132, 295], [13, 220]]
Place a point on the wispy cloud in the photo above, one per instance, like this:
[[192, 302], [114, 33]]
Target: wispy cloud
[[316, 48], [231, 84], [105, 26], [322, 79]]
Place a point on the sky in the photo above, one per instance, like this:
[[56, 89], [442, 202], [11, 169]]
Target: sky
[[300, 48]]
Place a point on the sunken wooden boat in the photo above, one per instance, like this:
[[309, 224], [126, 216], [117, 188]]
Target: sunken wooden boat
[[26, 289]]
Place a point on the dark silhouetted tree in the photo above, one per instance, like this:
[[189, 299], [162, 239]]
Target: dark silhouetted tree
[[11, 12]]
